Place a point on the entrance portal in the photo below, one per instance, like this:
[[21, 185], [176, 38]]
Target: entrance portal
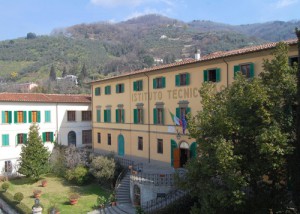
[[184, 153], [72, 138]]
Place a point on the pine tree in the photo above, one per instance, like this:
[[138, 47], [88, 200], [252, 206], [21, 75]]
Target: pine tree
[[34, 155], [52, 75]]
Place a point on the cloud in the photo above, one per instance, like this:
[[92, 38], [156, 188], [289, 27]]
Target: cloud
[[285, 3], [145, 12]]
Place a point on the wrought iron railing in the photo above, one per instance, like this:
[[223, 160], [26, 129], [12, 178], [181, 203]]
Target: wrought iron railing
[[156, 179], [124, 162]]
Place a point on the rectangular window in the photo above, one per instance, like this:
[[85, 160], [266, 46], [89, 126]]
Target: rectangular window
[[97, 91], [120, 115], [34, 116], [138, 116], [47, 116], [6, 117], [246, 69], [159, 82], [108, 139], [8, 166], [212, 75], [47, 137], [5, 140], [107, 89], [98, 137], [182, 112], [86, 115], [140, 143], [293, 61], [182, 79], [20, 116], [107, 115], [158, 116], [119, 88], [21, 138], [98, 112], [86, 136], [160, 147], [138, 85], [71, 115]]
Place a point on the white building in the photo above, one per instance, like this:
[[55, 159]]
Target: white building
[[65, 119]]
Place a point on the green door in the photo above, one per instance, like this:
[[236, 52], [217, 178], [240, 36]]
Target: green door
[[121, 146], [173, 147], [193, 150]]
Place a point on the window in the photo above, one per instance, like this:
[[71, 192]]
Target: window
[[47, 137], [8, 166], [6, 116], [159, 82], [5, 140], [138, 116], [47, 116], [212, 75], [21, 138], [160, 146], [107, 115], [34, 116], [120, 115], [119, 88], [97, 91], [98, 137], [98, 112], [293, 61], [20, 116], [86, 136], [140, 143], [86, 115], [182, 112], [182, 79], [71, 116], [138, 85], [245, 69], [107, 89], [158, 116], [108, 139]]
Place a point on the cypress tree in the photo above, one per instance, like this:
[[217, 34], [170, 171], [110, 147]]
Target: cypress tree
[[52, 75]]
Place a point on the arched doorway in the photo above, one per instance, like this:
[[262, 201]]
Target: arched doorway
[[72, 138], [121, 146], [184, 153], [137, 195]]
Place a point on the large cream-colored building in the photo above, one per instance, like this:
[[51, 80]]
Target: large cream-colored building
[[132, 113]]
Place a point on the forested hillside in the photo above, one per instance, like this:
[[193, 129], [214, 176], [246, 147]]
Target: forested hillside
[[91, 51]]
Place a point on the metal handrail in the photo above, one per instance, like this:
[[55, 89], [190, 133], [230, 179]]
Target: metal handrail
[[156, 179]]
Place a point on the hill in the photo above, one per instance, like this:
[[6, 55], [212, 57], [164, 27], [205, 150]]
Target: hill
[[93, 50]]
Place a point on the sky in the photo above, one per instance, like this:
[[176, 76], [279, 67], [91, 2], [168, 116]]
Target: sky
[[19, 17]]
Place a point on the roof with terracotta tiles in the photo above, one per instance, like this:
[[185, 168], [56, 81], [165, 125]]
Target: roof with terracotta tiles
[[215, 55], [44, 98]]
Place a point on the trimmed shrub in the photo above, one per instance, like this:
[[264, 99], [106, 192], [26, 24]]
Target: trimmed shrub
[[5, 186], [18, 197], [103, 168], [78, 175], [9, 199]]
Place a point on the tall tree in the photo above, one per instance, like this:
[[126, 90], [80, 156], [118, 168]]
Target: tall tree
[[244, 137], [34, 156], [52, 75], [64, 73]]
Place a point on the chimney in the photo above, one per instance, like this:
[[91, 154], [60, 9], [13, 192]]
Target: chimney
[[198, 54]]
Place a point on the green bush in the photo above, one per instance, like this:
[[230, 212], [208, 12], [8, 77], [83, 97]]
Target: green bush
[[18, 197], [5, 186], [20, 208], [78, 175], [103, 168]]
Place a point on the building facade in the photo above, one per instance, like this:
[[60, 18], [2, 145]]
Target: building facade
[[133, 114], [64, 119]]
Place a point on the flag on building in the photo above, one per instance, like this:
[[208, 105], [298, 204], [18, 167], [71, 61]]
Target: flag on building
[[183, 124], [175, 119]]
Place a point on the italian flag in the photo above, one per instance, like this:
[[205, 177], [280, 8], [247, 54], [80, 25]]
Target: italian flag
[[175, 119]]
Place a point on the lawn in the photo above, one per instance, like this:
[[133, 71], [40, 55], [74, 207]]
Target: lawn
[[57, 192]]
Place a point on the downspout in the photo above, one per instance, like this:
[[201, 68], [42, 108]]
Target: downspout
[[148, 117], [227, 71], [92, 122], [57, 123]]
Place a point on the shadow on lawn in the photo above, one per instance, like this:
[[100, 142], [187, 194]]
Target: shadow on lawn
[[22, 181]]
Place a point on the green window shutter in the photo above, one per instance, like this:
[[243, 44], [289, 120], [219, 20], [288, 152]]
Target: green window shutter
[[193, 150], [98, 115], [51, 136], [163, 116], [141, 85], [44, 137], [251, 70], [3, 117], [105, 116], [15, 116], [105, 90], [5, 140], [218, 75], [9, 117], [109, 115], [236, 69], [25, 138], [48, 116], [142, 115], [117, 89], [108, 89], [122, 88], [135, 86], [123, 116], [205, 75], [30, 116], [38, 116], [135, 116], [117, 116], [178, 113], [24, 117], [187, 78], [97, 91], [155, 116], [177, 80], [163, 82], [188, 110], [154, 83]]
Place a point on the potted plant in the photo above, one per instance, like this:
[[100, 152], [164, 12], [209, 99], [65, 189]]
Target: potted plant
[[101, 200], [73, 198], [5, 186], [37, 193], [113, 200], [44, 183]]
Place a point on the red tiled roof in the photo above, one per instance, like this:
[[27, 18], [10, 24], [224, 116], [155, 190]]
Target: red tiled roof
[[44, 98], [215, 55]]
